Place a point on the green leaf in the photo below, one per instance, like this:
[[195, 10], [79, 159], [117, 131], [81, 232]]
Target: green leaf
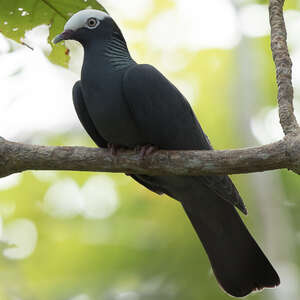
[[18, 16]]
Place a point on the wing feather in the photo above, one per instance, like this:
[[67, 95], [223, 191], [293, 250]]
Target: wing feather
[[84, 117], [166, 120]]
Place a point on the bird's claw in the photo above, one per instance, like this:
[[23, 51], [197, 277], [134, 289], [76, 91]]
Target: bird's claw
[[113, 149], [144, 150], [147, 150]]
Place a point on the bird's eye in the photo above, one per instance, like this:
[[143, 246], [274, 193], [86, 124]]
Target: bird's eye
[[92, 22]]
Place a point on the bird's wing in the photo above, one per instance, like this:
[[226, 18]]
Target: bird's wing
[[225, 189], [165, 119], [161, 113], [84, 117], [147, 182], [89, 126]]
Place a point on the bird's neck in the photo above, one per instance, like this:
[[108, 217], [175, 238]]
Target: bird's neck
[[112, 52], [117, 52]]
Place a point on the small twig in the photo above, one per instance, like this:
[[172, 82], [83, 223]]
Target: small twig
[[283, 65], [26, 45]]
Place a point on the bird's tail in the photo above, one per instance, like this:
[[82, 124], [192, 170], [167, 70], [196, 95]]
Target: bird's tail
[[239, 264]]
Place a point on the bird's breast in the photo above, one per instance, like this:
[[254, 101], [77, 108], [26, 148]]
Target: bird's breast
[[109, 111]]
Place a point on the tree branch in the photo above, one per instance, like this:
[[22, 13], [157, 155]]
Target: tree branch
[[15, 157], [283, 65]]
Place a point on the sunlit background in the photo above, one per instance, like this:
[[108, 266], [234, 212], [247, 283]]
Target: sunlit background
[[85, 236]]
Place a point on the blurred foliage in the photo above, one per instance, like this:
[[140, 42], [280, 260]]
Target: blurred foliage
[[18, 16], [147, 249]]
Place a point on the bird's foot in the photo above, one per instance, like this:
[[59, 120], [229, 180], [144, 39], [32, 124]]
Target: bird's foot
[[146, 150], [113, 149]]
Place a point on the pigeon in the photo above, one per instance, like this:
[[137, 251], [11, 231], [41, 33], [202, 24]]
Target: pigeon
[[123, 104]]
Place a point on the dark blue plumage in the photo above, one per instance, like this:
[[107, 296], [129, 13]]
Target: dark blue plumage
[[127, 104]]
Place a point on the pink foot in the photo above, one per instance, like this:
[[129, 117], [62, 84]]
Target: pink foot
[[147, 150], [113, 149]]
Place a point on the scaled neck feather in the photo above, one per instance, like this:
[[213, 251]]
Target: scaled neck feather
[[117, 51]]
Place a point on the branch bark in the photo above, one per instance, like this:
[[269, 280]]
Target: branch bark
[[16, 157], [283, 65]]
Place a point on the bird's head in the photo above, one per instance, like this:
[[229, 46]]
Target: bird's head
[[85, 25]]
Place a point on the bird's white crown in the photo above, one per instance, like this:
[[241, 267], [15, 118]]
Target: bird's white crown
[[79, 19]]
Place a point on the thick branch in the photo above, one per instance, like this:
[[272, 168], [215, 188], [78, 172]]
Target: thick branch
[[15, 157], [283, 65]]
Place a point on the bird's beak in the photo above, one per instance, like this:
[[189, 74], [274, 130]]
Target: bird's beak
[[66, 35]]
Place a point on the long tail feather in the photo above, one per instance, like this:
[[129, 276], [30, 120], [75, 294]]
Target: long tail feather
[[239, 264]]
